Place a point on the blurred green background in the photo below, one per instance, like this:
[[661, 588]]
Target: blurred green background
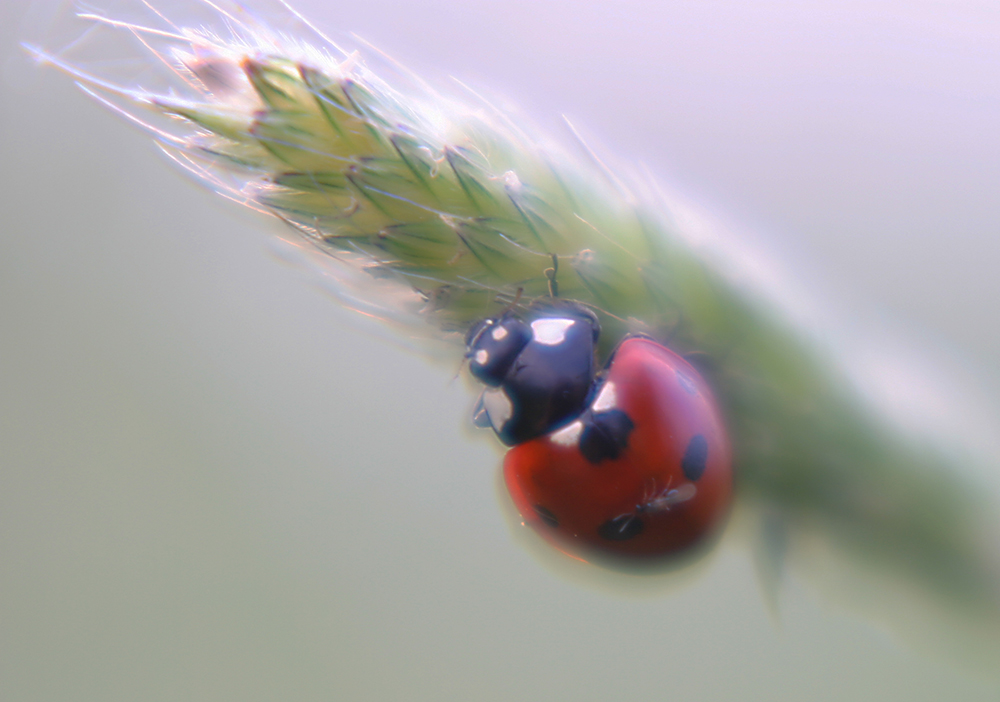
[[217, 485]]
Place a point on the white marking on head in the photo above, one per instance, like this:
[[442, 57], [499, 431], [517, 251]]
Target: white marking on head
[[499, 334], [498, 408], [607, 398], [569, 435], [482, 357], [551, 332]]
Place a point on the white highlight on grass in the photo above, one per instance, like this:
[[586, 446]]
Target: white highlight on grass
[[511, 181]]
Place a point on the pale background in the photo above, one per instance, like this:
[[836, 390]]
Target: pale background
[[214, 486]]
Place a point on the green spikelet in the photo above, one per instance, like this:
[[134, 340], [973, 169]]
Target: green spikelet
[[464, 210]]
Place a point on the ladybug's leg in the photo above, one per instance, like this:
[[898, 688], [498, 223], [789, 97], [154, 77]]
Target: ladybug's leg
[[480, 417]]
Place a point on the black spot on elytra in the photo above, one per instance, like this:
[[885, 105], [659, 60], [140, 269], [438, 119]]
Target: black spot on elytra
[[546, 516], [605, 435], [695, 457], [621, 528]]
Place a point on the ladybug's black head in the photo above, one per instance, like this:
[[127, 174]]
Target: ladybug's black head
[[492, 345], [539, 373]]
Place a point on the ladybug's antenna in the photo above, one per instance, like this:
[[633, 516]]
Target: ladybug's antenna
[[550, 273]]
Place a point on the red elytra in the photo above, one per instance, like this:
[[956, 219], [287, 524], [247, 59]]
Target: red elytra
[[664, 484]]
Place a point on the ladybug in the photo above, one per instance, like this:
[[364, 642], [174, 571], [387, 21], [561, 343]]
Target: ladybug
[[642, 472], [538, 373], [630, 462]]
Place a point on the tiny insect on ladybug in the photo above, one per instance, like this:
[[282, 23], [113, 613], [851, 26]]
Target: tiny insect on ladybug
[[639, 469], [644, 470]]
